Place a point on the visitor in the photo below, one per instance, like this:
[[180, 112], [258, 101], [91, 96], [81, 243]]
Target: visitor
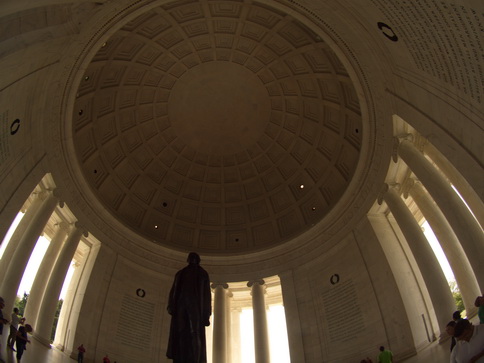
[[479, 303], [80, 353], [450, 331], [22, 340], [470, 343], [14, 323], [385, 356], [2, 320], [456, 316]]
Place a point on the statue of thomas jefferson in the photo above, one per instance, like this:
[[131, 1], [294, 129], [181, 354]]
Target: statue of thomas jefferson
[[190, 307]]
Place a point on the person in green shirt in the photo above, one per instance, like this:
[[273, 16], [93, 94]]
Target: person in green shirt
[[385, 356], [479, 303]]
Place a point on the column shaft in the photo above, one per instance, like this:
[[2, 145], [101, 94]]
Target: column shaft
[[63, 321], [459, 182], [54, 286], [261, 334], [435, 281], [219, 354], [42, 276], [12, 245], [456, 212], [71, 328], [24, 248], [228, 324], [450, 245], [235, 346]]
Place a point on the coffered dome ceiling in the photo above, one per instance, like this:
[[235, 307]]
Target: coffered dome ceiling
[[219, 126]]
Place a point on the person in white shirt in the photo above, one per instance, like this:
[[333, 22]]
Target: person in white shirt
[[16, 320], [470, 343]]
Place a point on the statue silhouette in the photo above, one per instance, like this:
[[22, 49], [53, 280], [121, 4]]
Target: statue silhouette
[[190, 307]]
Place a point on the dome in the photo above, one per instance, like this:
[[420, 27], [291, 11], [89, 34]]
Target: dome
[[221, 126]]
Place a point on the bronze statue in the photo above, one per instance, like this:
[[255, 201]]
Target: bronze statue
[[190, 307]]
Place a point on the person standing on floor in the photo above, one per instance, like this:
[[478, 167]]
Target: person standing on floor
[[385, 356], [470, 343], [16, 320], [80, 353], [22, 339], [479, 303], [2, 320]]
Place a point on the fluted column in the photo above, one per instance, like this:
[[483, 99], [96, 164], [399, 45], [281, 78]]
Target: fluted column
[[235, 346], [228, 324], [459, 182], [463, 223], [25, 221], [42, 276], [435, 281], [69, 327], [261, 334], [219, 344], [63, 320], [24, 247], [53, 289], [450, 245]]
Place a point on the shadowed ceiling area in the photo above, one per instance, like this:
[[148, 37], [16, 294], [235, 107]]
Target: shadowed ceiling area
[[220, 126]]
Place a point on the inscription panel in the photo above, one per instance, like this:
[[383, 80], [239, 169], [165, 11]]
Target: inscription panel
[[444, 40], [135, 323], [342, 315], [343, 312]]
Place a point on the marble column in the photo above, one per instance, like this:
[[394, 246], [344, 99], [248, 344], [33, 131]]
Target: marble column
[[235, 346], [435, 281], [455, 211], [460, 183], [25, 221], [53, 289], [24, 247], [43, 274], [63, 320], [454, 253], [71, 328], [261, 334], [219, 344], [228, 324]]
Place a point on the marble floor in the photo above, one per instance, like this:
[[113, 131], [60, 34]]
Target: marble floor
[[38, 353], [35, 353]]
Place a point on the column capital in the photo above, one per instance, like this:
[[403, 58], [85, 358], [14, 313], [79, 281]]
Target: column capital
[[397, 187], [257, 281], [387, 187], [44, 194], [79, 226], [64, 226], [407, 185], [405, 136], [224, 285], [397, 139]]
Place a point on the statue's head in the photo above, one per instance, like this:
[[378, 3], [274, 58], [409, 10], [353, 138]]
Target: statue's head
[[193, 258]]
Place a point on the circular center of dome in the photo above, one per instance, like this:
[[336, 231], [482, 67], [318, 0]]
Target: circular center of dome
[[228, 108]]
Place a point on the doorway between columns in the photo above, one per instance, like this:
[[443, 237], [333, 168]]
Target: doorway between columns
[[240, 323]]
